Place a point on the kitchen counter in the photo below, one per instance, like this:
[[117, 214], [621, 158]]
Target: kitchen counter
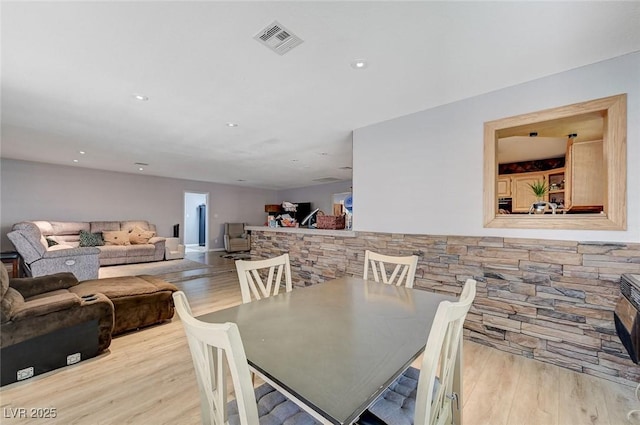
[[303, 230]]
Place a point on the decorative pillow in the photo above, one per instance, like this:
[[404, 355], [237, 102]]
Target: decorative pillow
[[51, 242], [139, 236], [90, 239], [119, 237]]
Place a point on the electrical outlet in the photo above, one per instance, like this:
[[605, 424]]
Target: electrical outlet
[[25, 373], [73, 358]]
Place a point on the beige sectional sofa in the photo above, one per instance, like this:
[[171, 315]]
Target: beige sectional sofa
[[68, 233], [47, 246]]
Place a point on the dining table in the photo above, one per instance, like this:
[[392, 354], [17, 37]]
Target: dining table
[[334, 347]]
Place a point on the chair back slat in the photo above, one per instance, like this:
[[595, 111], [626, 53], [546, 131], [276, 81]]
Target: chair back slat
[[439, 359], [251, 274], [403, 273], [214, 348]]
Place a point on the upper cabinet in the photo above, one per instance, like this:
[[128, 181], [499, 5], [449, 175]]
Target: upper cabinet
[[504, 187], [587, 177]]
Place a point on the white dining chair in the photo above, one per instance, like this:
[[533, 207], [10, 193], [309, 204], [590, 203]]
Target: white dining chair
[[425, 396], [216, 347], [252, 284], [404, 272]]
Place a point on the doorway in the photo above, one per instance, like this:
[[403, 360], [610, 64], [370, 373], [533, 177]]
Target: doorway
[[196, 220]]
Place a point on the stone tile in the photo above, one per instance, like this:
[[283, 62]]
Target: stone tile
[[523, 340], [558, 335], [541, 267], [599, 248], [571, 351], [553, 257], [501, 323], [580, 272]]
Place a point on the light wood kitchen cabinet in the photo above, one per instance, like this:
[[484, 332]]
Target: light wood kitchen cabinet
[[522, 196], [585, 172], [516, 187], [504, 187]]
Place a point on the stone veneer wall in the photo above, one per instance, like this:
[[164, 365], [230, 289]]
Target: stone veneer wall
[[548, 300]]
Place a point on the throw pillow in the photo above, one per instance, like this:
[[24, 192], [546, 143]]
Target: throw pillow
[[139, 236], [51, 242], [90, 239], [114, 237]]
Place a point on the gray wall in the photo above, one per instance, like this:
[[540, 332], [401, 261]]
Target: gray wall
[[423, 173], [37, 191], [320, 195]]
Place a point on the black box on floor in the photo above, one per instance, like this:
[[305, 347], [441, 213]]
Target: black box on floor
[[48, 352]]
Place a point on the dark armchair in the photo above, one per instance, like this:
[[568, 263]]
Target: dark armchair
[[235, 238], [44, 326]]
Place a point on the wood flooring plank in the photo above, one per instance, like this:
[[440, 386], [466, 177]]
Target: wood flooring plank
[[619, 400], [536, 401], [581, 400], [474, 359], [494, 390]]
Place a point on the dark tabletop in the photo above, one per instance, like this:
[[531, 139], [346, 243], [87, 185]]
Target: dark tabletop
[[338, 344]]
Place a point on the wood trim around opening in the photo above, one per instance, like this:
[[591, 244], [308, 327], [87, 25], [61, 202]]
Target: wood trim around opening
[[614, 216]]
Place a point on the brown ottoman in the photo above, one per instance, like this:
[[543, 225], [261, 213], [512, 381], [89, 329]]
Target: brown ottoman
[[138, 301]]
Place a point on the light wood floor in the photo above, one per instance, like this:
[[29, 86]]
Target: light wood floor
[[147, 377]]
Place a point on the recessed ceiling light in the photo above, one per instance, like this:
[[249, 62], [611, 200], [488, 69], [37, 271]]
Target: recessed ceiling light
[[359, 64], [232, 124], [82, 152], [75, 160], [140, 97], [140, 169], [294, 160]]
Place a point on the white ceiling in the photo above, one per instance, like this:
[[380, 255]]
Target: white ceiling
[[70, 69]]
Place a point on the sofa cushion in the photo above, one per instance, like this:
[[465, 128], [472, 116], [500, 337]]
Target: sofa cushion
[[113, 251], [11, 301], [60, 246], [45, 227], [101, 226], [4, 280], [71, 240], [49, 294], [5, 305], [45, 305], [91, 239], [32, 286], [128, 226], [142, 250], [69, 227], [116, 238], [125, 286], [140, 236]]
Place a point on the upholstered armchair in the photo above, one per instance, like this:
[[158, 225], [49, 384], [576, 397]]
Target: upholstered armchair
[[40, 259], [173, 249], [235, 238]]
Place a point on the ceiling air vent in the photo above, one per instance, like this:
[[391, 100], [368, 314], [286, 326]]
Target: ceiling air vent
[[277, 38]]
